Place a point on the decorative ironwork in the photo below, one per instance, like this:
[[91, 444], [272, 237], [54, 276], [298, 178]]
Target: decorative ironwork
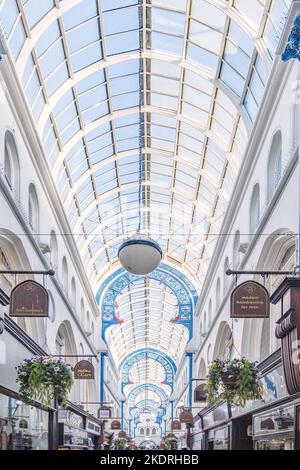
[[292, 50]]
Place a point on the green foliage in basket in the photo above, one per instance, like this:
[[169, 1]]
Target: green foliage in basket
[[234, 381], [44, 378]]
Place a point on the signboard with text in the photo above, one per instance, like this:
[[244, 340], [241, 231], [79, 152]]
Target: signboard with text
[[250, 300], [84, 370], [29, 299]]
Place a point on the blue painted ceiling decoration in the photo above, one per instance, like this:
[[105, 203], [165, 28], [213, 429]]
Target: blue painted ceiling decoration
[[145, 355], [292, 50], [135, 392], [177, 282]]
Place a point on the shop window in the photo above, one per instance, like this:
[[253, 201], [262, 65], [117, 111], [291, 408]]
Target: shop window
[[274, 164], [19, 433]]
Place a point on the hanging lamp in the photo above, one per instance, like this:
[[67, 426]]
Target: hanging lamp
[[140, 254]]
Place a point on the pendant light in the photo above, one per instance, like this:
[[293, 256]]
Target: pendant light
[[140, 254]]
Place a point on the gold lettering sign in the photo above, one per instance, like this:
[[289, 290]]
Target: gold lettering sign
[[84, 370], [29, 299], [250, 300]]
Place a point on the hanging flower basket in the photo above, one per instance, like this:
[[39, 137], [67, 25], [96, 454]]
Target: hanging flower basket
[[120, 443], [234, 381], [43, 379]]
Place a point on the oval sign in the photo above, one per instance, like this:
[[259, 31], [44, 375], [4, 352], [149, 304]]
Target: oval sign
[[186, 417], [250, 300], [122, 435], [84, 370], [29, 299]]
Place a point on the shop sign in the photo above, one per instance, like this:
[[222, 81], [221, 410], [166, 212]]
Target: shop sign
[[200, 394], [115, 425], [93, 428], [104, 412], [122, 435], [186, 417], [176, 425], [84, 370], [250, 300], [29, 299], [70, 418]]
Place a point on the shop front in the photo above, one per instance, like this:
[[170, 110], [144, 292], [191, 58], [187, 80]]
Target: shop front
[[72, 433], [22, 427]]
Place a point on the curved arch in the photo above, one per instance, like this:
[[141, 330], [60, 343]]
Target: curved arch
[[151, 387], [167, 363], [224, 342], [180, 285]]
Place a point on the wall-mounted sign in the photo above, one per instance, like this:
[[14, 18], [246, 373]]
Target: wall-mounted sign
[[176, 425], [29, 299], [115, 425], [122, 435], [104, 412], [186, 417], [288, 330], [84, 370], [250, 300]]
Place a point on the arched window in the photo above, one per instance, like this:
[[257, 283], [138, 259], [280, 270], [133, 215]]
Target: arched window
[[82, 309], [296, 122], [205, 323], [255, 210], [153, 432], [11, 163], [274, 164], [147, 432], [210, 313], [225, 277], [54, 250], [236, 253], [142, 431], [218, 293], [88, 324], [65, 275], [73, 291], [33, 209]]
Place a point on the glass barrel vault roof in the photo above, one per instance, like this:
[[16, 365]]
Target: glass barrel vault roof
[[205, 66]]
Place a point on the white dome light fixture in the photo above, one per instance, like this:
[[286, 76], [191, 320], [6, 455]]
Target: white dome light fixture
[[140, 255]]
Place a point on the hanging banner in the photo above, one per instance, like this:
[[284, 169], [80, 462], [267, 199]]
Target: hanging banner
[[104, 412], [84, 370], [186, 417], [115, 425], [250, 300], [29, 299]]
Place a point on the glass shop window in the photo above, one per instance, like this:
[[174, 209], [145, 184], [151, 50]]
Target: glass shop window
[[22, 427]]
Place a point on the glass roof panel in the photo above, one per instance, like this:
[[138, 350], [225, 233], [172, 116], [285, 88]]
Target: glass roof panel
[[190, 72]]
